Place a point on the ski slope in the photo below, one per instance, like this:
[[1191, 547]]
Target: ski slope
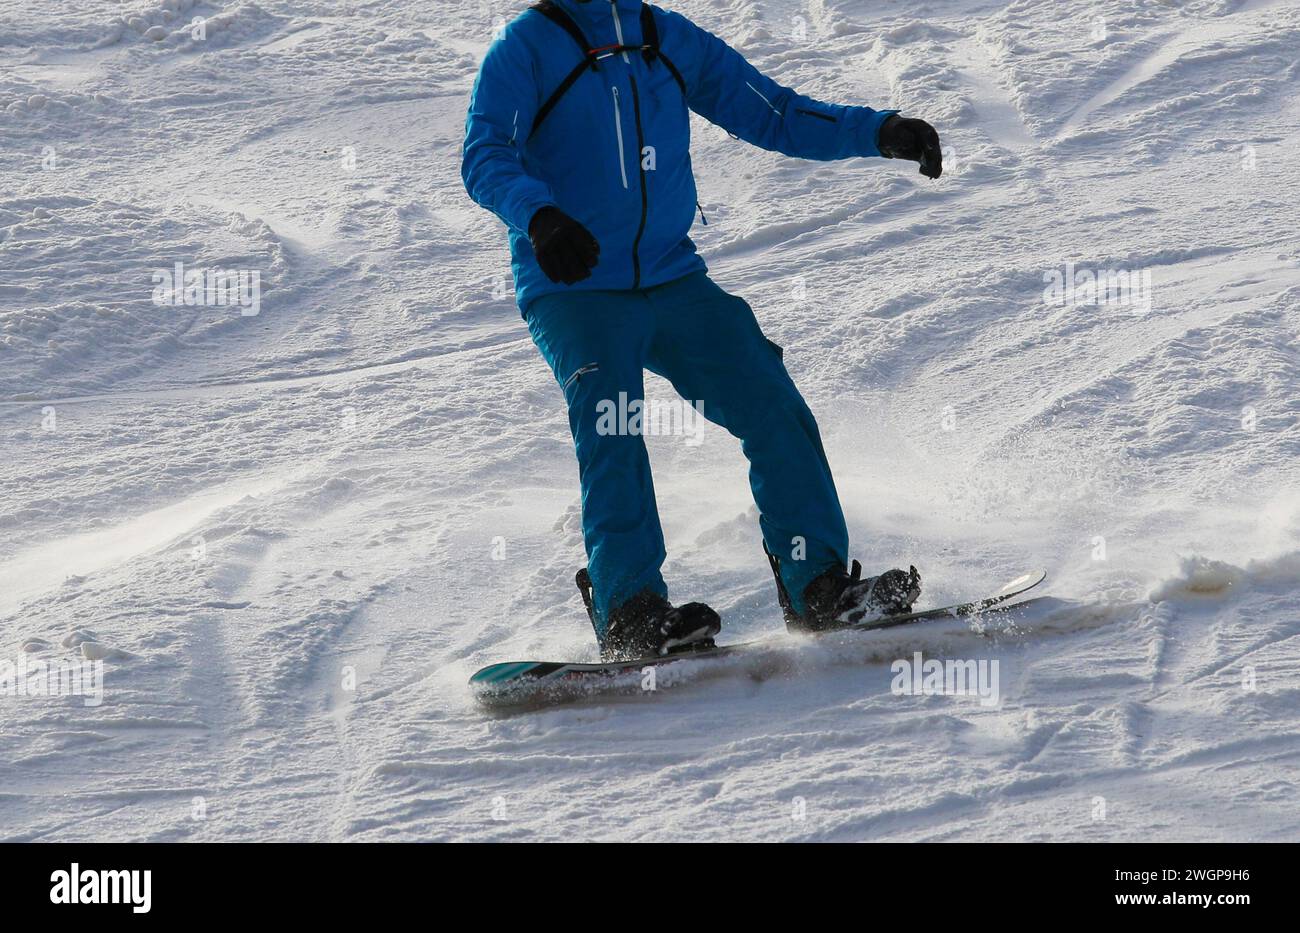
[[293, 535]]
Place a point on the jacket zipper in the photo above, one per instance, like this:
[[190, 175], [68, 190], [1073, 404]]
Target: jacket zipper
[[618, 26], [640, 167], [618, 130], [640, 147]]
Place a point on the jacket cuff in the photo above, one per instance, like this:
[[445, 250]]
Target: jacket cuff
[[871, 131], [525, 209]]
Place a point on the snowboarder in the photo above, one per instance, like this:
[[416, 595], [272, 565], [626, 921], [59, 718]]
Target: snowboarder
[[577, 137]]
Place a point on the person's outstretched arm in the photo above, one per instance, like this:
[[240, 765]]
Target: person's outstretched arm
[[725, 89]]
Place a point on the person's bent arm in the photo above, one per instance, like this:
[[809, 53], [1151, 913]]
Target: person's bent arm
[[501, 111]]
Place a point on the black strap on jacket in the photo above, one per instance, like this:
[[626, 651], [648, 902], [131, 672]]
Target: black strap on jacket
[[552, 12], [649, 48], [650, 45]]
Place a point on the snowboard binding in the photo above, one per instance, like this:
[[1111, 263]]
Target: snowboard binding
[[837, 599], [648, 626]]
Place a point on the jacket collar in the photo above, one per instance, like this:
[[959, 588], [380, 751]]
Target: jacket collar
[[597, 11]]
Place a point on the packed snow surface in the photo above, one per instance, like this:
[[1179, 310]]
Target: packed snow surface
[[292, 535]]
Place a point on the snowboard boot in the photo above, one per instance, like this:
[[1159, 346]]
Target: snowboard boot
[[649, 626], [836, 599]]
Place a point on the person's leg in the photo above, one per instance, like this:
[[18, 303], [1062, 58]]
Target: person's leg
[[596, 343], [708, 344]]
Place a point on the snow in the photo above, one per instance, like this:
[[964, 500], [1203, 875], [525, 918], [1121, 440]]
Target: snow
[[279, 530]]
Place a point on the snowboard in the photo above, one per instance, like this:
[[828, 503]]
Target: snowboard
[[525, 683]]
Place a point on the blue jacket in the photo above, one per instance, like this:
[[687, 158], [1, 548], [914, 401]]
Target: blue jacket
[[614, 152]]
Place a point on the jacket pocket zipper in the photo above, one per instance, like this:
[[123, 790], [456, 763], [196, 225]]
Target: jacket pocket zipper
[[618, 129], [765, 100], [813, 113]]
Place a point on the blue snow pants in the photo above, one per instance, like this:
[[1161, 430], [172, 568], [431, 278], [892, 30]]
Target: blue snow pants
[[708, 344]]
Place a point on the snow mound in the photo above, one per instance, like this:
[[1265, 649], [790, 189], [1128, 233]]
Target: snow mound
[[78, 291], [1201, 579]]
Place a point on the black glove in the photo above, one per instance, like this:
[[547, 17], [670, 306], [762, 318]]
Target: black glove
[[565, 249], [912, 139]]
